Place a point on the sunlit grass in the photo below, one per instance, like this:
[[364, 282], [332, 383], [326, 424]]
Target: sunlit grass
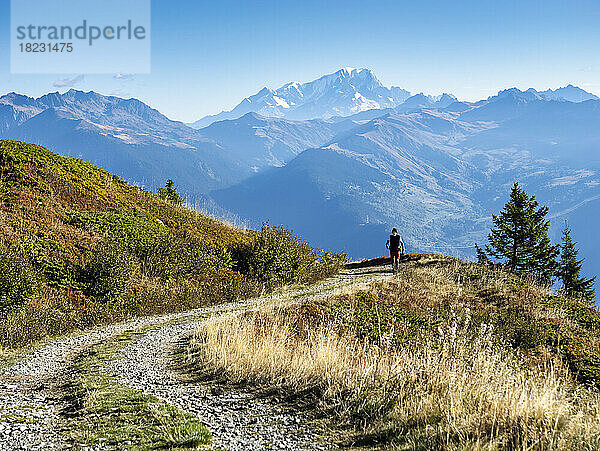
[[453, 381]]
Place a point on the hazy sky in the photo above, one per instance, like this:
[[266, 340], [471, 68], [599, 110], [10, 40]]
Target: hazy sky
[[208, 55]]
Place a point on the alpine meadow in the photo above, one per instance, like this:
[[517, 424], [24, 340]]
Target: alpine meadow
[[300, 226]]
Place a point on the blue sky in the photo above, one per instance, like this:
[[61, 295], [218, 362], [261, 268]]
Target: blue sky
[[208, 55]]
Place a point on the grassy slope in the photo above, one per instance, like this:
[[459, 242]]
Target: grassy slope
[[39, 188], [54, 213], [80, 247], [448, 355]]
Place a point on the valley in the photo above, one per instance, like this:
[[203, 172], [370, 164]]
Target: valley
[[320, 159]]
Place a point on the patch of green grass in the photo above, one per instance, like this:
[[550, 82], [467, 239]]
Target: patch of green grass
[[108, 413], [369, 316], [14, 418]]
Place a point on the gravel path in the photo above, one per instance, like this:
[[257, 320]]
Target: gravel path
[[30, 410], [238, 420]]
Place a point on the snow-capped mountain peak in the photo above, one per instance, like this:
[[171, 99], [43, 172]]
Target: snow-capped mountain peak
[[342, 93]]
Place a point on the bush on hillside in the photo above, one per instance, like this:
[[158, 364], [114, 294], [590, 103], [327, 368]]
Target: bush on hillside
[[172, 257], [18, 280], [108, 274], [520, 330], [159, 251], [276, 256], [49, 258], [331, 263], [133, 230]]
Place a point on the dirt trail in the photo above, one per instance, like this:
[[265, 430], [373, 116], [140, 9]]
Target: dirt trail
[[31, 412]]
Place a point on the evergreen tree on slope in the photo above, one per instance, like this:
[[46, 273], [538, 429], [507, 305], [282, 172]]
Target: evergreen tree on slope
[[520, 235], [569, 270]]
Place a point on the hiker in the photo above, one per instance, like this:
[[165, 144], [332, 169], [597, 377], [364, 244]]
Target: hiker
[[396, 246]]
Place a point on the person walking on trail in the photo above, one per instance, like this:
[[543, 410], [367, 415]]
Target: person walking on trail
[[396, 246]]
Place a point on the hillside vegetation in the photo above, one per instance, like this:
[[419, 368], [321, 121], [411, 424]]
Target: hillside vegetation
[[446, 355], [80, 247]]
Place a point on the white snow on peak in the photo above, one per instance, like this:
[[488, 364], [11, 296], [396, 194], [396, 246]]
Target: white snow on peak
[[281, 102], [341, 93]]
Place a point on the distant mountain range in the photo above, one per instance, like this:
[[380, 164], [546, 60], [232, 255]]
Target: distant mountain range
[[342, 159], [345, 92], [432, 173], [349, 91], [569, 93], [260, 141], [124, 136]]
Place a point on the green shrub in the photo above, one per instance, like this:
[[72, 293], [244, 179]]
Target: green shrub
[[159, 251], [521, 330], [275, 256], [582, 354], [329, 264], [108, 274], [133, 230], [173, 257], [18, 280], [581, 311], [49, 258], [197, 260]]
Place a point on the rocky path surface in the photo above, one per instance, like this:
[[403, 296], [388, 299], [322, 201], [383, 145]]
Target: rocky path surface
[[30, 410]]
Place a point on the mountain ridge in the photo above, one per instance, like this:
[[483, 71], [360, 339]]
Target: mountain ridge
[[342, 93], [349, 91], [123, 136]]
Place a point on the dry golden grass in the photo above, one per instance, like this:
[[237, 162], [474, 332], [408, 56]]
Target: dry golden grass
[[456, 388], [449, 393]]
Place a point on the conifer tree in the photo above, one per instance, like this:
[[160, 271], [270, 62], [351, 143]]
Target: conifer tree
[[482, 257], [520, 235], [569, 270], [169, 193]]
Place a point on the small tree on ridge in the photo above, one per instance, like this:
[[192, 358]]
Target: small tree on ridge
[[520, 235], [569, 270], [169, 193]]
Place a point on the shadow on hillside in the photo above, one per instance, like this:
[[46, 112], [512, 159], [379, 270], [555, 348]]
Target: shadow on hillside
[[384, 262]]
